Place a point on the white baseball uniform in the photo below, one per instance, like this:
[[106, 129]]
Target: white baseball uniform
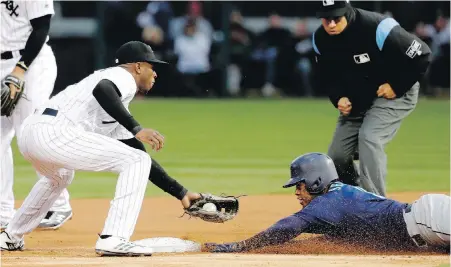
[[77, 139], [39, 81]]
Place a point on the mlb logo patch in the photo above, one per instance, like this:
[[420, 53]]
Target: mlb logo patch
[[414, 49], [328, 2], [362, 58]]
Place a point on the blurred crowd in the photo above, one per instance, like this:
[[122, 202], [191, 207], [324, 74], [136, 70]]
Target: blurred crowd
[[274, 61], [263, 63], [437, 36]]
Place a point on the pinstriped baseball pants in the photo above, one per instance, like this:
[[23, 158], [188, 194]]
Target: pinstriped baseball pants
[[57, 149], [39, 82]]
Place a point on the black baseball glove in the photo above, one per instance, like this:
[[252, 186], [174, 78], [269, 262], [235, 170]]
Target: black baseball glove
[[8, 103], [226, 208]]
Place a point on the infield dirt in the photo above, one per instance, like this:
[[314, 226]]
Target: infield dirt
[[73, 244]]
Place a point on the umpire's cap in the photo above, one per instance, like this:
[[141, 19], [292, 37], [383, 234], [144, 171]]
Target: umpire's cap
[[136, 51], [332, 8], [316, 170]]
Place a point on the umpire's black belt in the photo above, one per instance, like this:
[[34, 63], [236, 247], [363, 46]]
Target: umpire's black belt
[[9, 54], [50, 112]]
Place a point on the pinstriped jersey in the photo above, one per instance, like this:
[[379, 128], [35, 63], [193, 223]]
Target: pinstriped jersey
[[78, 104], [15, 21]]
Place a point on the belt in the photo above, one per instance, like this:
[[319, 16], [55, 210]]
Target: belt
[[408, 208], [419, 241], [10, 54], [50, 112]]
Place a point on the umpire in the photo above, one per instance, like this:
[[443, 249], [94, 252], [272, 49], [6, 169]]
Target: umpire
[[371, 67]]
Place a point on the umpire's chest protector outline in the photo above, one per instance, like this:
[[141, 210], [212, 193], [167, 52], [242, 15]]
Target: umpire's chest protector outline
[[356, 52]]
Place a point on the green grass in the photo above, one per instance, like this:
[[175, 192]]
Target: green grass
[[246, 146]]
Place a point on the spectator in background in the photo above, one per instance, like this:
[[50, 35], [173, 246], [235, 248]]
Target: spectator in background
[[437, 36], [193, 49], [194, 13], [155, 37], [440, 66], [240, 48], [157, 14], [425, 32], [304, 53], [154, 22], [270, 43]]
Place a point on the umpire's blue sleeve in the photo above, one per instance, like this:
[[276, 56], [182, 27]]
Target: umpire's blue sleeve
[[281, 232], [406, 57]]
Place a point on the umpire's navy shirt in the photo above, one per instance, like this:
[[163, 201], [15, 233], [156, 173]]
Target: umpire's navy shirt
[[372, 50]]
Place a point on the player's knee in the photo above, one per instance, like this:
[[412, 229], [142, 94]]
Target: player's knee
[[67, 176], [143, 158]]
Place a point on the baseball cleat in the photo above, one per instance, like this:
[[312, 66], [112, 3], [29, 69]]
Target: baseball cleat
[[3, 225], [116, 246], [6, 243], [54, 220]]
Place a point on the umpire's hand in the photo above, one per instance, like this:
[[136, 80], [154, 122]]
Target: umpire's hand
[[344, 106], [386, 91]]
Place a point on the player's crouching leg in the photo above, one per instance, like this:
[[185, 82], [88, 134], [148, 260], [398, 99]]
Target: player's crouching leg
[[124, 210]]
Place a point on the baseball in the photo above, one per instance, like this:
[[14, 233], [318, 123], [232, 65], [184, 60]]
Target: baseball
[[210, 207]]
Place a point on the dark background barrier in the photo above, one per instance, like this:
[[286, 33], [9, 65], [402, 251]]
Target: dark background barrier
[[254, 48]]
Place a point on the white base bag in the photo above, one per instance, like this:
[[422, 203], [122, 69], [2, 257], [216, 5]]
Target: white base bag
[[169, 244]]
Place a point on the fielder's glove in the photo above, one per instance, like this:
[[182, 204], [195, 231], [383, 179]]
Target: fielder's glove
[[226, 208], [9, 104]]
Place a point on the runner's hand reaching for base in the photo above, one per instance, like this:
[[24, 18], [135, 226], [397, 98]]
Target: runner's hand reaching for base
[[151, 137]]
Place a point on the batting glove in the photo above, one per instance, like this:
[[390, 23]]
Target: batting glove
[[224, 248]]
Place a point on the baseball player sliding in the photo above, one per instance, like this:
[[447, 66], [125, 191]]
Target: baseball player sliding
[[78, 130], [26, 57], [333, 208]]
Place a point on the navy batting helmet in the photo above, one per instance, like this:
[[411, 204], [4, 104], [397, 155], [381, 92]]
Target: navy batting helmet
[[316, 170]]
